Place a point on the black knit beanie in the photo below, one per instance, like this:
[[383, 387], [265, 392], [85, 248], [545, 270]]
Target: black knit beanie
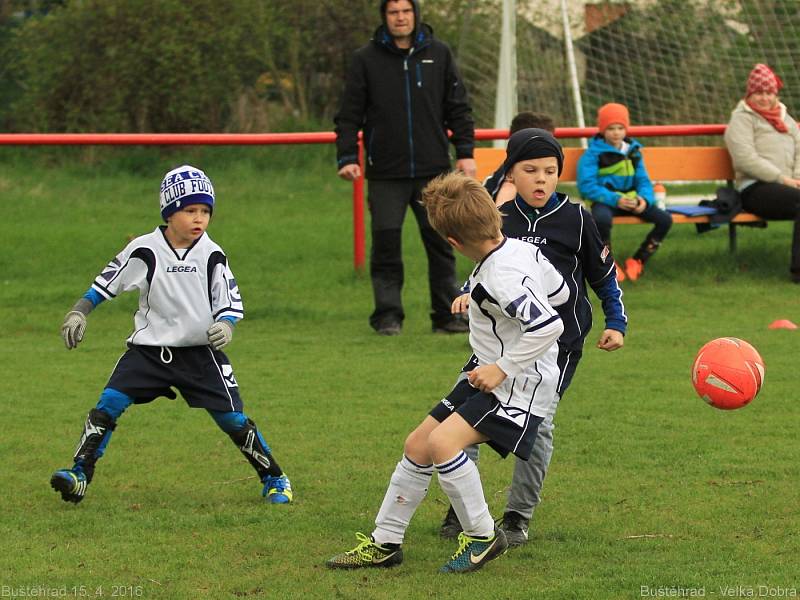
[[525, 144]]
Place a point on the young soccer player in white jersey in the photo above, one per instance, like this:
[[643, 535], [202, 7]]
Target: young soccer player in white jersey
[[567, 235], [188, 305], [511, 381]]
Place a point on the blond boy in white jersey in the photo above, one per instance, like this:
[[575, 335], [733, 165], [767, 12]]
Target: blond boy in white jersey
[[510, 384]]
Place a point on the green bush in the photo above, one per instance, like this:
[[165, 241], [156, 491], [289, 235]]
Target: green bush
[[140, 65], [177, 65]]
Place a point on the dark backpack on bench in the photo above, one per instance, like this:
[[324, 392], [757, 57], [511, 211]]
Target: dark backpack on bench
[[728, 203]]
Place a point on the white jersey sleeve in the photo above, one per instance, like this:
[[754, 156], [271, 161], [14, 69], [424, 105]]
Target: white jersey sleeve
[[226, 302], [131, 269]]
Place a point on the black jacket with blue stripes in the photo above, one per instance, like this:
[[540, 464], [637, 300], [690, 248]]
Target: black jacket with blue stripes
[[405, 101], [567, 235]]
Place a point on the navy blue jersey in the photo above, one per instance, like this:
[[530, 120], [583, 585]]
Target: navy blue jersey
[[568, 237]]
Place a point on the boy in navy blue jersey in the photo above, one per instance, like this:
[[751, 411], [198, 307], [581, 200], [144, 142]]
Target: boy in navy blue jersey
[[567, 236], [188, 305]]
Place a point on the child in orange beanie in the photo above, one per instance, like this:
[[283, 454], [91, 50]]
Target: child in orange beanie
[[612, 176]]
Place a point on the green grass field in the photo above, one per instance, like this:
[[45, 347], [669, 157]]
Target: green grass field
[[650, 492]]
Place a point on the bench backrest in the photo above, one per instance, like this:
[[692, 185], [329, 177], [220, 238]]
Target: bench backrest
[[686, 163]]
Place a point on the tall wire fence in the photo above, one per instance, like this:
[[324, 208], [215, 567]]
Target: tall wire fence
[[669, 61]]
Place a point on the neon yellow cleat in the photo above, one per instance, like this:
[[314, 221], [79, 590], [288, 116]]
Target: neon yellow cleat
[[366, 554]]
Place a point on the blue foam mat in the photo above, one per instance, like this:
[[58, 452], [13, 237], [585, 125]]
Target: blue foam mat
[[691, 210]]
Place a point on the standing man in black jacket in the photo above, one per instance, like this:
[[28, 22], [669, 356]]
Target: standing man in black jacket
[[404, 91]]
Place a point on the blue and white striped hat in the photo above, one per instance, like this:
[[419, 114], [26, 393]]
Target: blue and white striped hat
[[182, 186]]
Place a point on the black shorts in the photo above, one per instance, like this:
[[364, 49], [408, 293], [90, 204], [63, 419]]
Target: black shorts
[[509, 429], [202, 375]]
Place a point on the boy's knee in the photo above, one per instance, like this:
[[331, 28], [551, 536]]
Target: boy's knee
[[603, 216], [416, 448], [113, 402], [441, 447], [662, 217], [229, 422]]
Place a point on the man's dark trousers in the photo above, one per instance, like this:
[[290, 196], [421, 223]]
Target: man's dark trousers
[[388, 200]]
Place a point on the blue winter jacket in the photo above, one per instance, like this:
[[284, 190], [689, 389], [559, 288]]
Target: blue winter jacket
[[605, 173]]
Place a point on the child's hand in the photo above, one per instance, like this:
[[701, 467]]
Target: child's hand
[[629, 204], [72, 329], [610, 340], [460, 304], [220, 334], [641, 205], [506, 193], [486, 378]]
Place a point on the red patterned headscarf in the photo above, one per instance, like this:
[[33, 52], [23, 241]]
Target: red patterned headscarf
[[764, 79]]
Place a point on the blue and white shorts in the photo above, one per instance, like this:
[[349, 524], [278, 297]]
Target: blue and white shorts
[[508, 428]]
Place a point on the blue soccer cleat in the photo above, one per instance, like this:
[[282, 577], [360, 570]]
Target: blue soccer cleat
[[72, 484], [277, 490], [474, 552]]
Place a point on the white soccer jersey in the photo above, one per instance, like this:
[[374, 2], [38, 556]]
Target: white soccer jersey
[[181, 292], [513, 324]]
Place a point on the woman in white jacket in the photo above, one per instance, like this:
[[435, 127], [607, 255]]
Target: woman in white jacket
[[764, 143]]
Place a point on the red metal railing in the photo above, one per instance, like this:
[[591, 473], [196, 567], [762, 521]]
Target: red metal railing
[[324, 137], [164, 139], [633, 131]]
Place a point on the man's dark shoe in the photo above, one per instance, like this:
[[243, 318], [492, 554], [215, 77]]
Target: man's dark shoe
[[389, 328], [451, 326], [515, 527], [450, 526]]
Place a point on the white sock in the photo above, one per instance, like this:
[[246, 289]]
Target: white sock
[[461, 482], [407, 488]]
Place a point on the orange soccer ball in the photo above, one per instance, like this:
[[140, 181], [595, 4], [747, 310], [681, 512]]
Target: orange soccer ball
[[728, 373]]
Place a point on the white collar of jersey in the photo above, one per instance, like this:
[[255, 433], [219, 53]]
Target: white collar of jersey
[[163, 229], [483, 260]]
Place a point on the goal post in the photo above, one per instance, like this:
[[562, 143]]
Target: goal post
[[669, 61], [505, 105]]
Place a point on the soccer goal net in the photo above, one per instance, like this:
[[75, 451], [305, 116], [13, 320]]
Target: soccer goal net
[[669, 61]]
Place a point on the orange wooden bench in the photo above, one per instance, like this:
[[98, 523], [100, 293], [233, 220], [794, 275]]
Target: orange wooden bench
[[664, 164]]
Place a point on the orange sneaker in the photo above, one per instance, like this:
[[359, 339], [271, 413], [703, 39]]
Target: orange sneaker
[[620, 272], [634, 268]]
